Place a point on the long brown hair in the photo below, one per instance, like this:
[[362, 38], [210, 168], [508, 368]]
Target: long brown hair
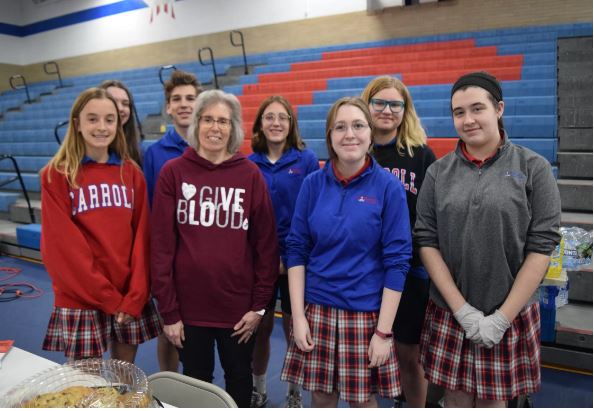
[[131, 130], [67, 160], [294, 140], [410, 131]]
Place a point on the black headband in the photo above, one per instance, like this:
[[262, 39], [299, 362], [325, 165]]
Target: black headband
[[482, 80]]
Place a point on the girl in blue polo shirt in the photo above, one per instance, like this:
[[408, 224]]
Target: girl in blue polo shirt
[[348, 253], [284, 161]]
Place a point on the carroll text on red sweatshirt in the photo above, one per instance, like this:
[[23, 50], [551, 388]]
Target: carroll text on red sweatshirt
[[214, 253], [95, 239]]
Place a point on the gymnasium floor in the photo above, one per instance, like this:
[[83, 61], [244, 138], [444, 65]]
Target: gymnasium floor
[[25, 320]]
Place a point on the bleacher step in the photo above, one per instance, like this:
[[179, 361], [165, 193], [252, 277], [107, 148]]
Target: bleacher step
[[576, 116], [575, 139], [574, 325], [9, 243], [576, 195], [580, 285], [19, 211], [583, 220], [567, 358], [575, 165]]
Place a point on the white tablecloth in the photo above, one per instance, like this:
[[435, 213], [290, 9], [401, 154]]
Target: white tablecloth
[[18, 365]]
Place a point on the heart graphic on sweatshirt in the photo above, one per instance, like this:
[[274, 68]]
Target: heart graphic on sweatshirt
[[189, 190]]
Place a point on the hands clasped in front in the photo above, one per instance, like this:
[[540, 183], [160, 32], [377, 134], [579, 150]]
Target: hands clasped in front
[[486, 331], [123, 318]]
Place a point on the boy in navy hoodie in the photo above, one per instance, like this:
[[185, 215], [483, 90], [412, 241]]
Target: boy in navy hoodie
[[181, 91]]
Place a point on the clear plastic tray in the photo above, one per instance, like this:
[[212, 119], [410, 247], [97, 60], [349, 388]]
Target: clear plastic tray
[[129, 381]]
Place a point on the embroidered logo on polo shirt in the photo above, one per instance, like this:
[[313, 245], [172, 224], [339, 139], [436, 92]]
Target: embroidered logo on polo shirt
[[295, 171], [516, 175], [367, 199]]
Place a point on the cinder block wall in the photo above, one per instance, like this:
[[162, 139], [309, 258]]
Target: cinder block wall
[[448, 16]]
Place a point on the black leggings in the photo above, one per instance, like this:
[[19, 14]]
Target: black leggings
[[198, 358]]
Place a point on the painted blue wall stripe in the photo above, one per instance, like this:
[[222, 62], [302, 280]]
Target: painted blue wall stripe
[[11, 30], [72, 18]]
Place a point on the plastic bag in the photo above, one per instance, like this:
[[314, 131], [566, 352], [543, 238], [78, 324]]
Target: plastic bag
[[556, 264], [578, 248]]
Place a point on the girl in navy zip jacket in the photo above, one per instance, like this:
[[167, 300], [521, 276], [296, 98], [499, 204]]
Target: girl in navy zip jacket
[[348, 253], [284, 162]]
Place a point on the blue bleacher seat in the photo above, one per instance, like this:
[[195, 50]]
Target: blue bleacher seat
[[29, 235], [6, 199], [530, 111]]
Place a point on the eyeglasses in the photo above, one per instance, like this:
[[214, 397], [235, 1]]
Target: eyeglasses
[[271, 117], [396, 106], [358, 128], [224, 123]]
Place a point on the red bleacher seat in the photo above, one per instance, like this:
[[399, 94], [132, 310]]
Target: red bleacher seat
[[469, 52], [405, 48], [442, 146]]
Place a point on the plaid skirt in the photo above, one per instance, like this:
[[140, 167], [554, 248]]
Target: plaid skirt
[[81, 333], [509, 369], [339, 361]]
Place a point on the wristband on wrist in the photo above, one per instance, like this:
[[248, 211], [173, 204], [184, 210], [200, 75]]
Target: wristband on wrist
[[382, 335]]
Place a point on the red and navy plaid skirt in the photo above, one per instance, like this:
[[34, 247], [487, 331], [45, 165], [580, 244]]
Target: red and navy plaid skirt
[[509, 369], [340, 360], [83, 333]]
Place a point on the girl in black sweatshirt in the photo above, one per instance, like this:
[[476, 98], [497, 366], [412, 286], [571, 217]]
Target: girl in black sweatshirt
[[401, 148]]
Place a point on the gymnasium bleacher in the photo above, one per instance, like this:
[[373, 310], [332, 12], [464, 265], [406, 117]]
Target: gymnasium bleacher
[[527, 67], [312, 79]]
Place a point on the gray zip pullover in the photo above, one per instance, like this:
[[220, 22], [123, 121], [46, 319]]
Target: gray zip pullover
[[486, 220]]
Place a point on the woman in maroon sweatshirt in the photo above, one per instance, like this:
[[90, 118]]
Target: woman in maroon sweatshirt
[[214, 258]]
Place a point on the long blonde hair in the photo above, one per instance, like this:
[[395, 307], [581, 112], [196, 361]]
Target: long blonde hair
[[410, 132], [67, 160]]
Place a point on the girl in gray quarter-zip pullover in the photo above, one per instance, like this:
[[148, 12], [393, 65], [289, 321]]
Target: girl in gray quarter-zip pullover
[[488, 219]]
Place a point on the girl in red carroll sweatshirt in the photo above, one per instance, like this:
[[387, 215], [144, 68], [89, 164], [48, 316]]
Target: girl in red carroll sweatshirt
[[94, 237]]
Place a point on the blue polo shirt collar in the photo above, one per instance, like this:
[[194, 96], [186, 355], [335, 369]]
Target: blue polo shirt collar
[[113, 160]]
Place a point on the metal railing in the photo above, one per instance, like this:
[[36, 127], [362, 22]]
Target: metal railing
[[212, 63], [18, 177], [21, 86], [162, 69], [56, 128], [240, 44], [138, 122], [54, 65]]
